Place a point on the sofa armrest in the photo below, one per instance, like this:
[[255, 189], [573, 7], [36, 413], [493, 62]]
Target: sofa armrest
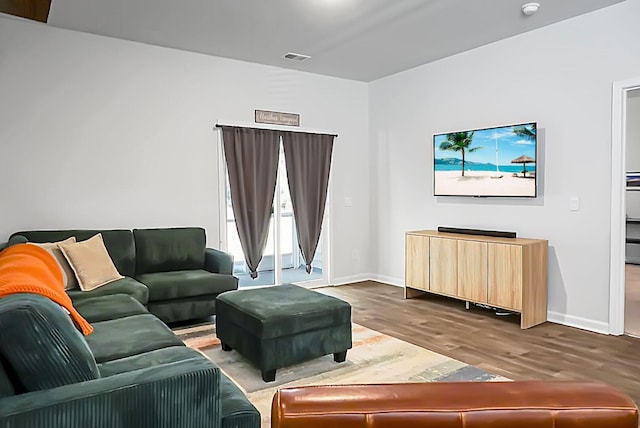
[[185, 393], [455, 404], [17, 239], [13, 240], [216, 261]]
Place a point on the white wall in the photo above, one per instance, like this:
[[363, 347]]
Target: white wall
[[560, 76], [104, 133], [99, 133]]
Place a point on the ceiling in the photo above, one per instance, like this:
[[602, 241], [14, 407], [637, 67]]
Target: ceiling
[[354, 39]]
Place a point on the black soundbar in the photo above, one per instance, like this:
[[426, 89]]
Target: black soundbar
[[494, 233]]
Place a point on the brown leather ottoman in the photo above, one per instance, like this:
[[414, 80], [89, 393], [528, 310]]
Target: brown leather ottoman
[[535, 404]]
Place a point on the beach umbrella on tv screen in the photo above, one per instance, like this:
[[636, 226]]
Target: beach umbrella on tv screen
[[524, 160]]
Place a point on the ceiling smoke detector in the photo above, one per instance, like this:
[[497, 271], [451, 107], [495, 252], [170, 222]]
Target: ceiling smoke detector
[[296, 57], [530, 8]]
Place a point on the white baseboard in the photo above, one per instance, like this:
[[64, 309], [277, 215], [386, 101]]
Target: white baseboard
[[578, 322], [389, 280], [352, 278], [368, 277]]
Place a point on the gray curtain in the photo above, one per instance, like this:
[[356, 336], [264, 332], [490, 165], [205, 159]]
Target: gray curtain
[[308, 158], [252, 163]]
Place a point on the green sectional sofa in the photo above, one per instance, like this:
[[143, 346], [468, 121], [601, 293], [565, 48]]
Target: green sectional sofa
[[131, 372], [167, 270]]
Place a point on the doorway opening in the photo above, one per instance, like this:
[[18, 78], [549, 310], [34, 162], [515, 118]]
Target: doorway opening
[[632, 214], [623, 210]]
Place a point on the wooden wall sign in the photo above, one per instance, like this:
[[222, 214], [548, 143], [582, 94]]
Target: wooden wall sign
[[277, 118]]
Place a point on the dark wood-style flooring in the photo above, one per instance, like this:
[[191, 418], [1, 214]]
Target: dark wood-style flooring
[[495, 343]]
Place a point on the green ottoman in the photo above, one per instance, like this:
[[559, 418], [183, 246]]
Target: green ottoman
[[278, 326]]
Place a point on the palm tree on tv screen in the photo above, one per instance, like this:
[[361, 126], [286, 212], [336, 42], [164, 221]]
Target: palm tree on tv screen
[[528, 133], [459, 142]]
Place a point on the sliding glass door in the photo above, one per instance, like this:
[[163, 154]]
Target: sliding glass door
[[282, 261]]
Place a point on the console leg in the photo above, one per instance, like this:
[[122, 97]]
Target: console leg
[[340, 357], [226, 347], [268, 375]]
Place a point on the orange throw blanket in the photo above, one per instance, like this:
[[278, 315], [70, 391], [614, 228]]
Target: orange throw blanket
[[28, 268]]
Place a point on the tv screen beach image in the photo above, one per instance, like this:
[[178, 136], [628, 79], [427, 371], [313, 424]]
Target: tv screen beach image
[[486, 162]]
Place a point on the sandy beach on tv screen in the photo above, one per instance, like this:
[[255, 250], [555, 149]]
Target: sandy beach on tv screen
[[475, 183]]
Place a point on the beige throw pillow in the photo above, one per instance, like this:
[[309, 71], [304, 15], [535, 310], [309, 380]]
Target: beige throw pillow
[[68, 276], [91, 263]]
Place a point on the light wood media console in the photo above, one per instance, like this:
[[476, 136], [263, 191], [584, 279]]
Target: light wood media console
[[503, 273]]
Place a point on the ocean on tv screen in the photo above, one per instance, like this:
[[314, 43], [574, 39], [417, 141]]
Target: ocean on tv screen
[[486, 162], [470, 166]]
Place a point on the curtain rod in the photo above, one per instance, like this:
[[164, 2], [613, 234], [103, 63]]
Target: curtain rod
[[220, 125]]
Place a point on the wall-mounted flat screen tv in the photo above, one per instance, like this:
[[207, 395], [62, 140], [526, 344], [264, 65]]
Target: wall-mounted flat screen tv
[[499, 161]]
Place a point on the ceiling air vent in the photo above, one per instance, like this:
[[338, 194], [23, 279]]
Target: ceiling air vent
[[296, 57]]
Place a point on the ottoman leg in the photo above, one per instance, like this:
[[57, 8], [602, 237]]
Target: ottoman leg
[[339, 357], [268, 375], [226, 347]]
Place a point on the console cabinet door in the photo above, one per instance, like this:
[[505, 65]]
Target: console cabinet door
[[444, 266], [417, 263], [472, 271], [505, 276]]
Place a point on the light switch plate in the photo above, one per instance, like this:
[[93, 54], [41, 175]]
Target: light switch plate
[[348, 201], [574, 203]]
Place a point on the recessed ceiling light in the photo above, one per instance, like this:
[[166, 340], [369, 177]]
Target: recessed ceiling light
[[530, 8], [296, 57]]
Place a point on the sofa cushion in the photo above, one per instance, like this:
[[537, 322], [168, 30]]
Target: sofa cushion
[[186, 283], [40, 346], [165, 250], [189, 308], [128, 336], [96, 309], [126, 285], [90, 262], [148, 359], [68, 275], [119, 243]]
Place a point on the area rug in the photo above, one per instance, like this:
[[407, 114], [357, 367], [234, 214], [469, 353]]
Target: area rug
[[374, 358]]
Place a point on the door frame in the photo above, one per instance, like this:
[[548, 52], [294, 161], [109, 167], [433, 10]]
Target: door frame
[[620, 94]]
